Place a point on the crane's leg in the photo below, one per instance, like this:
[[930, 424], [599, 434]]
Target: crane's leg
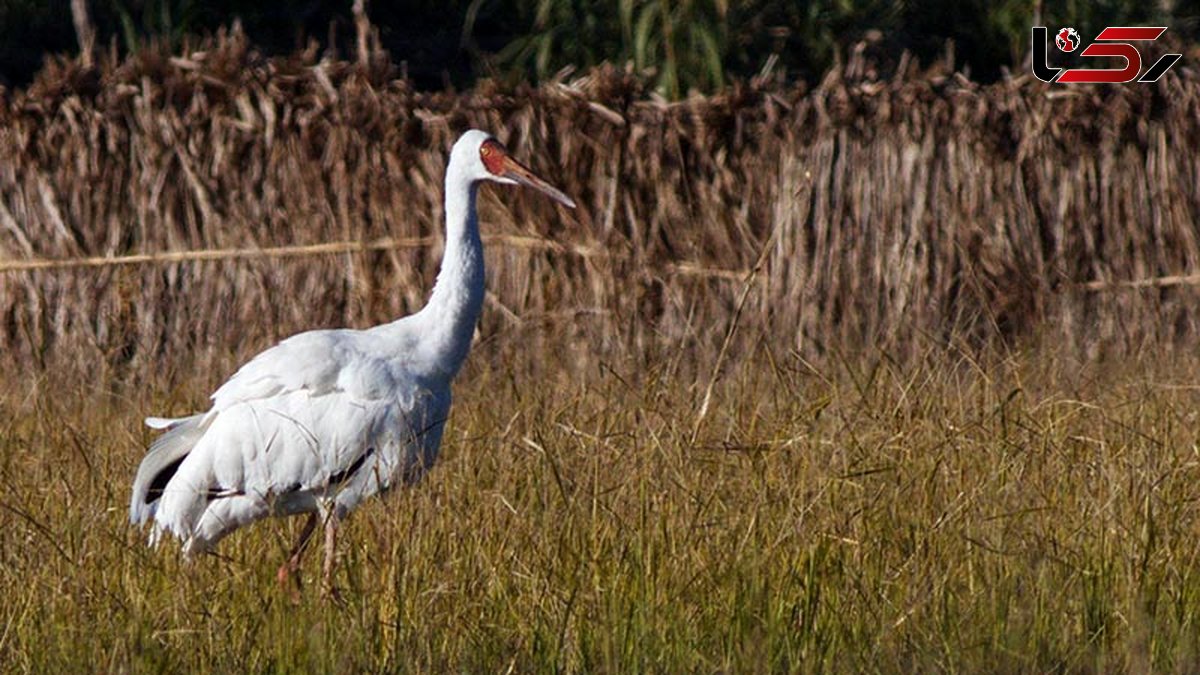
[[331, 528], [292, 565]]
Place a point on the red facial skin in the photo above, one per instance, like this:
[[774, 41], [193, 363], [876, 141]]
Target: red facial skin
[[492, 154]]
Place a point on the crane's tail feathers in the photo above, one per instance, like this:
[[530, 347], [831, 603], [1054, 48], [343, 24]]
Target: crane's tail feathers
[[162, 461], [166, 423], [156, 533]]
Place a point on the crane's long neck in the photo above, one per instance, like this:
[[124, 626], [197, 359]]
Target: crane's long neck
[[457, 297]]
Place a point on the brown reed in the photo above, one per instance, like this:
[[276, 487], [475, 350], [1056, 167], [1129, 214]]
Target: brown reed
[[890, 212]]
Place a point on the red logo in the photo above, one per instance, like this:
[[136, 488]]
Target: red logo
[[1114, 42]]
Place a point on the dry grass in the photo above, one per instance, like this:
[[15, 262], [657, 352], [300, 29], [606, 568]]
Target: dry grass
[[1036, 514]]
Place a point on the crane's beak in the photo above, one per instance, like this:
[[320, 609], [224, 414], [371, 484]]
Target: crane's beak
[[519, 173]]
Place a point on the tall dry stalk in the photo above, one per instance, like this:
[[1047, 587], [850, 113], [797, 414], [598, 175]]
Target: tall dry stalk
[[85, 32]]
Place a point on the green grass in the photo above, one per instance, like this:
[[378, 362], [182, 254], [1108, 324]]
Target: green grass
[[1033, 514]]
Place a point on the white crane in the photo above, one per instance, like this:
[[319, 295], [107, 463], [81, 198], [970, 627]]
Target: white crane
[[327, 418]]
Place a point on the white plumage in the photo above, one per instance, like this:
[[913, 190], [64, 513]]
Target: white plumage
[[328, 418]]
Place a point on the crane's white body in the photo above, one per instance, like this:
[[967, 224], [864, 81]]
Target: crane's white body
[[326, 418]]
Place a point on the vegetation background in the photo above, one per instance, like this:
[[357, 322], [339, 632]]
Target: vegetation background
[[865, 350], [702, 44]]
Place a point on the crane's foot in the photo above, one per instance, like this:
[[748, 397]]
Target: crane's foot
[[332, 594], [292, 590]]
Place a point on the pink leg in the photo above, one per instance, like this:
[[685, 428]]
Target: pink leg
[[292, 566], [331, 528]]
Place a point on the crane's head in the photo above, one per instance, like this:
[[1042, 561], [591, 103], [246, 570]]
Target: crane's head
[[486, 158]]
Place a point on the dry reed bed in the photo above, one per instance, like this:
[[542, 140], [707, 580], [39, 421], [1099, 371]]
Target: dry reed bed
[[881, 212]]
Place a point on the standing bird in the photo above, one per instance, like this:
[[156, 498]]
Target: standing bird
[[327, 418]]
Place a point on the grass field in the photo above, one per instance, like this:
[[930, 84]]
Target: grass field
[[595, 510], [1020, 513]]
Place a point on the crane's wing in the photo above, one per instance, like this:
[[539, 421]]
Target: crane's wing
[[295, 452], [318, 362], [300, 416]]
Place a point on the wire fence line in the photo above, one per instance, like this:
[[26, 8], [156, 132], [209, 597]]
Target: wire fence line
[[503, 240], [1167, 281], [336, 247]]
